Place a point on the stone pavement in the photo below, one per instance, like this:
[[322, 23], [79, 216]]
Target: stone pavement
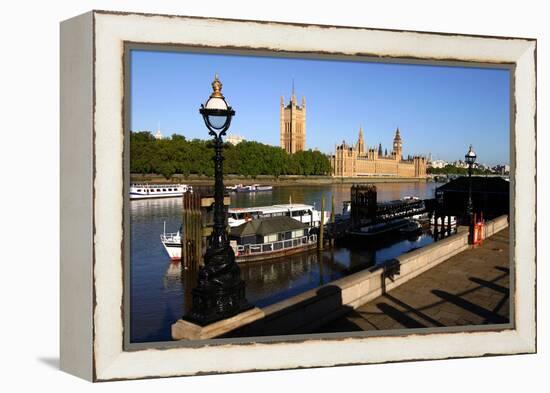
[[471, 288]]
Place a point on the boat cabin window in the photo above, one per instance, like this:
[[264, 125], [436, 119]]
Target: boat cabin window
[[139, 190], [297, 213], [240, 216]]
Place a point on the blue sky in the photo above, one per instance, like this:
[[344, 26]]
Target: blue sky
[[439, 110]]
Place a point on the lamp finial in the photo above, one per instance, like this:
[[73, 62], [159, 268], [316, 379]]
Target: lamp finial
[[216, 87]]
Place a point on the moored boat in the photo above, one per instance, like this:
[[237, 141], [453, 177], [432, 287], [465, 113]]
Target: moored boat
[[271, 237], [145, 191], [233, 188], [303, 213], [412, 228], [260, 187], [172, 244], [380, 229], [408, 206], [253, 188]]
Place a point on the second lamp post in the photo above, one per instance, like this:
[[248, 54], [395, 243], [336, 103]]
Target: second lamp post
[[470, 159]]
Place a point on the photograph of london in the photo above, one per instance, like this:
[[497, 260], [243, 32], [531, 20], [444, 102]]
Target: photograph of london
[[276, 196]]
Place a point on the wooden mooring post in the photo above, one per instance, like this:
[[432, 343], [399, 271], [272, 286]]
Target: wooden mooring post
[[320, 240], [191, 238], [332, 221]]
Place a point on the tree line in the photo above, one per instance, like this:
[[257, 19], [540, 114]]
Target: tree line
[[455, 170], [179, 155]]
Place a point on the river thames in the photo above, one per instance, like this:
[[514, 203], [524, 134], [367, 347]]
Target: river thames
[[159, 290]]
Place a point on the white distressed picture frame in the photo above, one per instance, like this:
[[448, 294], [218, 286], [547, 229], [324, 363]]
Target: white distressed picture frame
[[92, 195]]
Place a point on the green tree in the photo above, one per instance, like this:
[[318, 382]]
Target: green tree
[[179, 155]]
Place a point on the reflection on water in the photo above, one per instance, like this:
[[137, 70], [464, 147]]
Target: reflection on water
[[160, 291], [312, 194]]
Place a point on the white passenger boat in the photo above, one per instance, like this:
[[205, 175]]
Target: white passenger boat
[[253, 188], [306, 214], [233, 188], [143, 191], [256, 240]]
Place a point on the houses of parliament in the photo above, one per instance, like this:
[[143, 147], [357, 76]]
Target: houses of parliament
[[349, 160], [354, 161]]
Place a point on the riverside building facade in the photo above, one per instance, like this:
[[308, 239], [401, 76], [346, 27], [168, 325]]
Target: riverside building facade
[[355, 161]]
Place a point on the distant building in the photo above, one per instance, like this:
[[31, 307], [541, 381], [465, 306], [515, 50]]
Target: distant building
[[501, 169], [293, 125], [158, 135], [460, 164], [482, 166], [437, 164], [354, 161], [234, 139]]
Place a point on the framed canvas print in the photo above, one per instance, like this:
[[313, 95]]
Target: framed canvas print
[[248, 195]]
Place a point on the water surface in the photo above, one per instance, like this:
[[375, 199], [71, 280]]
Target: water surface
[[160, 291]]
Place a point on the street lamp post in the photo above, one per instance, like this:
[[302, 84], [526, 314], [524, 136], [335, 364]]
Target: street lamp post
[[220, 292], [470, 159]]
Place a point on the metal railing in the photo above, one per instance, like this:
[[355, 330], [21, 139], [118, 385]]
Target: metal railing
[[279, 245]]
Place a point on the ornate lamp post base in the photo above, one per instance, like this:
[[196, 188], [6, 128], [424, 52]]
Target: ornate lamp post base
[[220, 292], [211, 304]]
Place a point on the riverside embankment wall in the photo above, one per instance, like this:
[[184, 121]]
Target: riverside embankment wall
[[285, 180], [311, 309]]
